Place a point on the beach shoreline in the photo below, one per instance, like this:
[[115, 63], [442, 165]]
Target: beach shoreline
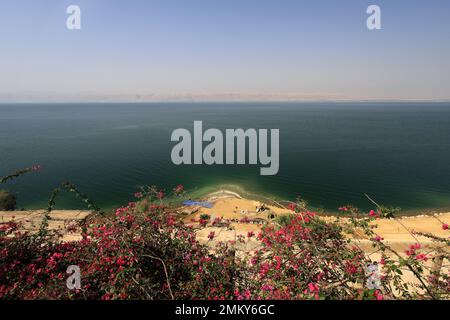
[[225, 191], [230, 205]]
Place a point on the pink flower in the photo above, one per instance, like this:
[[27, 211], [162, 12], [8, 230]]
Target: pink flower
[[57, 255], [211, 235], [313, 290], [421, 257], [292, 206], [445, 226], [121, 261], [373, 214], [138, 195], [378, 295], [264, 269], [344, 209], [378, 239], [278, 259], [178, 189], [267, 287], [107, 296], [313, 287]]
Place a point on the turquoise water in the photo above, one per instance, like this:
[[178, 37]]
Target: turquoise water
[[330, 153]]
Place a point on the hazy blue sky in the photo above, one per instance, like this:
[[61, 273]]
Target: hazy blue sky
[[317, 47]]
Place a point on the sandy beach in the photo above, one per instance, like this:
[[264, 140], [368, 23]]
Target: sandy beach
[[230, 206], [394, 231], [66, 222]]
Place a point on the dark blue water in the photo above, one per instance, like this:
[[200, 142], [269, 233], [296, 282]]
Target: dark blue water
[[330, 153]]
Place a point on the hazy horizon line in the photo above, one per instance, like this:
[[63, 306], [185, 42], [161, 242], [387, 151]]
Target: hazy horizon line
[[201, 97]]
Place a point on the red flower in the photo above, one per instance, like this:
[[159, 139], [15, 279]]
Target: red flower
[[211, 235], [278, 259], [421, 256], [378, 238], [178, 189], [313, 290], [445, 226], [373, 214], [378, 295]]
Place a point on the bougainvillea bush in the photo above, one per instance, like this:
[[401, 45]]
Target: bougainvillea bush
[[138, 253], [144, 251]]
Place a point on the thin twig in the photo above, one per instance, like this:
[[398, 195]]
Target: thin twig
[[165, 271]]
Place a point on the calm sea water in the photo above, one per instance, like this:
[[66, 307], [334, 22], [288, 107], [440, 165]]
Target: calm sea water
[[330, 153]]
